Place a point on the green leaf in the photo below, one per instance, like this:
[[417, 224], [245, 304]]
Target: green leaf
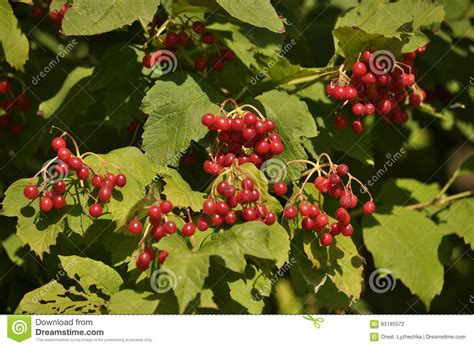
[[14, 43], [139, 172], [130, 302], [259, 13], [191, 267], [460, 219], [91, 274], [294, 123], [340, 262], [91, 17], [49, 107], [34, 228], [406, 242], [179, 192], [94, 284], [175, 105]]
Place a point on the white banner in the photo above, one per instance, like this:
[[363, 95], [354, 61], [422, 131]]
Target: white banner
[[237, 330]]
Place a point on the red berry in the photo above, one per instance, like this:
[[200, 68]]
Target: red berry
[[358, 109], [369, 207], [64, 154], [326, 239], [183, 38], [149, 60], [342, 216], [198, 27], [203, 224], [247, 183], [347, 230], [415, 100], [59, 201], [135, 226], [218, 64], [200, 64], [208, 38], [280, 188], [31, 191], [162, 256], [341, 121], [359, 68], [227, 54], [384, 106], [276, 147], [46, 204], [322, 184], [5, 86], [357, 126], [170, 227], [75, 163], [158, 231], [249, 214], [58, 143], [290, 212], [321, 222], [351, 93], [222, 208], [250, 119], [171, 40], [188, 229], [307, 223], [369, 78], [96, 181], [335, 229], [339, 93], [105, 194], [83, 173], [208, 119], [120, 180], [270, 219], [367, 55], [143, 261], [342, 170], [230, 218], [334, 179], [346, 199], [59, 187], [95, 210], [209, 207], [166, 206], [304, 209], [154, 214]]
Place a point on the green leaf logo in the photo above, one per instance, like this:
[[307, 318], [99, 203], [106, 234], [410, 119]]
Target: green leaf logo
[[19, 328]]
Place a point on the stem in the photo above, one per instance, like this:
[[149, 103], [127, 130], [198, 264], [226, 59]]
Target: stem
[[440, 201], [65, 133], [159, 31]]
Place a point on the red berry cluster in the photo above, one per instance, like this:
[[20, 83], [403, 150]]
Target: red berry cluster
[[314, 218], [195, 34], [54, 190], [57, 16], [13, 106], [235, 197], [157, 225], [378, 85], [241, 135]]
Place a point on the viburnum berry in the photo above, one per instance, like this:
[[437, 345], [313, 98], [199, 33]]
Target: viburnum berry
[[5, 86], [105, 194], [74, 163], [166, 206], [198, 27], [359, 68], [290, 212], [357, 126], [162, 256], [95, 210], [347, 230], [58, 143], [200, 64], [341, 121], [46, 204], [230, 218], [321, 222], [307, 223], [120, 180], [171, 40], [149, 60], [342, 170], [170, 227], [358, 109], [188, 229], [59, 201], [322, 184], [83, 173], [369, 207], [271, 218], [280, 188], [158, 231], [249, 214], [326, 239], [59, 187], [208, 38], [203, 224], [135, 226], [143, 261], [31, 191]]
